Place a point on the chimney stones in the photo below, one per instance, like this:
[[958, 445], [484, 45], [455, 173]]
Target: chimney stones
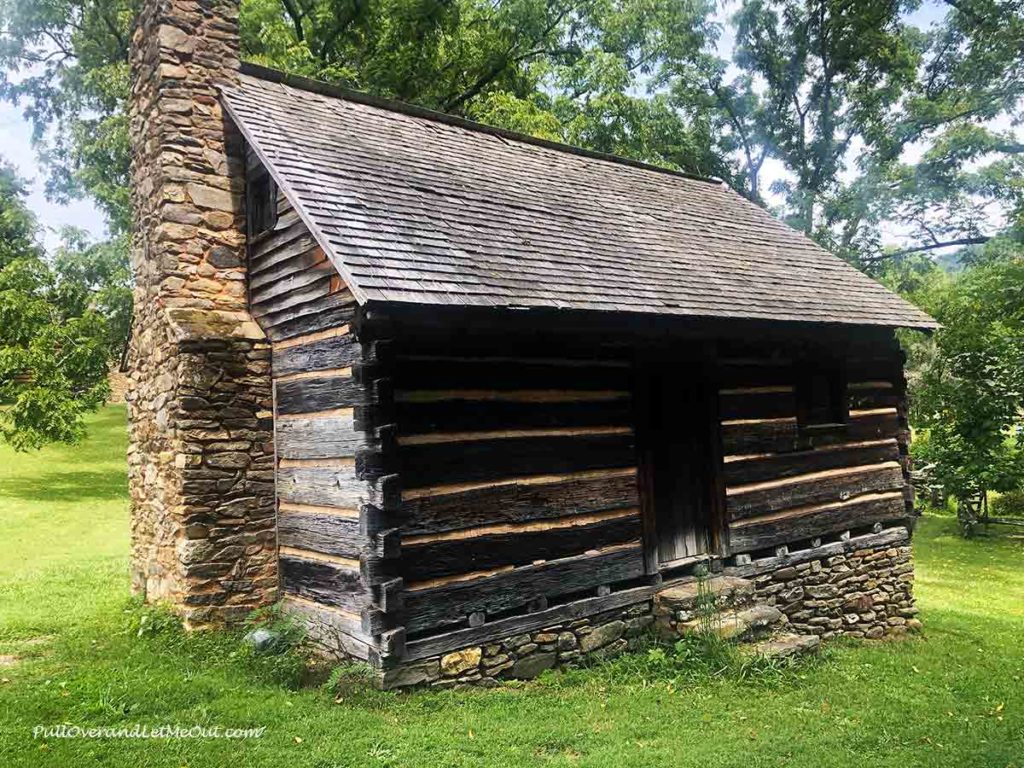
[[200, 427]]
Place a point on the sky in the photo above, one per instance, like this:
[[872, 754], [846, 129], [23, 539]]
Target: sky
[[16, 148]]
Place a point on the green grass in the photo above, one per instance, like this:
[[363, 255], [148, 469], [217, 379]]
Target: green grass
[[951, 697]]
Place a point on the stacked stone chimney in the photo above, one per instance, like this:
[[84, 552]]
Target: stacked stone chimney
[[201, 441]]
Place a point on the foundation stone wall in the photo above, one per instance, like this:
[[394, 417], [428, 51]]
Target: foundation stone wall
[[863, 592]]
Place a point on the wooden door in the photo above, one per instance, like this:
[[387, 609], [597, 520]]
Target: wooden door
[[677, 461]]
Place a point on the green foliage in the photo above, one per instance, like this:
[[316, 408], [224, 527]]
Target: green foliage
[[94, 276], [53, 353], [1009, 504], [970, 390], [833, 72], [284, 665], [66, 61], [143, 620], [709, 619], [586, 73]]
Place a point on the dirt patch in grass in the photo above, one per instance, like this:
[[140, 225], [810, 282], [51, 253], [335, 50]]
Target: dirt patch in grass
[[7, 660]]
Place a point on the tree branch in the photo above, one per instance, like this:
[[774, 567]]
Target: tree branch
[[296, 17], [979, 240]]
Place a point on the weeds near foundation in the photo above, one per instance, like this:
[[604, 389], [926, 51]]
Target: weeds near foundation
[[146, 621], [288, 632], [709, 620], [353, 681], [692, 660], [155, 629]]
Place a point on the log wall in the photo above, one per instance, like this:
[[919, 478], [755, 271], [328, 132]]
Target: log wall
[[518, 481], [429, 487], [318, 369], [787, 484]]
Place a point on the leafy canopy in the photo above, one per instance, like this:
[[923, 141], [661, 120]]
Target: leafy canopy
[[53, 348], [970, 392]]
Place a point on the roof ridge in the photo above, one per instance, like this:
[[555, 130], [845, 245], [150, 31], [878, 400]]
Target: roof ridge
[[413, 110]]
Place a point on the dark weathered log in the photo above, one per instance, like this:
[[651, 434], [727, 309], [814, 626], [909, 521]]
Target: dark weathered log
[[886, 538], [765, 372], [427, 465], [833, 485], [330, 312], [392, 644], [756, 403], [289, 283], [844, 343], [888, 367], [459, 415], [519, 502], [450, 604], [294, 248], [771, 467], [323, 582], [385, 543], [527, 622], [317, 438], [288, 262], [389, 596], [452, 556], [330, 534], [326, 393], [426, 373], [330, 486], [872, 398], [324, 354], [307, 294], [759, 533], [344, 630], [375, 622], [458, 343], [740, 438]]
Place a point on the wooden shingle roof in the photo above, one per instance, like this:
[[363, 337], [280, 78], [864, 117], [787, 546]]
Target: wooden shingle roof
[[417, 207]]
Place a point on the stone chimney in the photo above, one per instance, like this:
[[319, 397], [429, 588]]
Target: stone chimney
[[201, 442]]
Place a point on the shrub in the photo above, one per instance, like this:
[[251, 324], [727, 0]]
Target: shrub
[[1010, 504]]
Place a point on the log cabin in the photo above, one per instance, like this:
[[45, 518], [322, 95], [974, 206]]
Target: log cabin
[[473, 404]]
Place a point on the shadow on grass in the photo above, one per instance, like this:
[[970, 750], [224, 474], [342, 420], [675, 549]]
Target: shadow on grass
[[63, 485]]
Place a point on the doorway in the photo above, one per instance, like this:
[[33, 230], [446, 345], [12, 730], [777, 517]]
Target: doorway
[[677, 435]]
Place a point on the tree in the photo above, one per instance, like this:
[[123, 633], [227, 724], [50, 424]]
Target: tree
[[880, 126], [94, 276], [53, 353], [971, 91], [831, 71], [594, 73], [66, 62], [970, 391]]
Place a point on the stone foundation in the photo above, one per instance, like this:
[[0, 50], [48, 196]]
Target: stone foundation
[[525, 656], [863, 592]]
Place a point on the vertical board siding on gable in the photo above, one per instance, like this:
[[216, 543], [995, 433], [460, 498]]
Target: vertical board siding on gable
[[786, 483], [518, 481]]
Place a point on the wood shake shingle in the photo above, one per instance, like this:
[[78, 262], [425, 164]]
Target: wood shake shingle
[[428, 209]]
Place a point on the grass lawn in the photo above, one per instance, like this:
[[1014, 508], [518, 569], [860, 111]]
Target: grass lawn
[[74, 649]]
